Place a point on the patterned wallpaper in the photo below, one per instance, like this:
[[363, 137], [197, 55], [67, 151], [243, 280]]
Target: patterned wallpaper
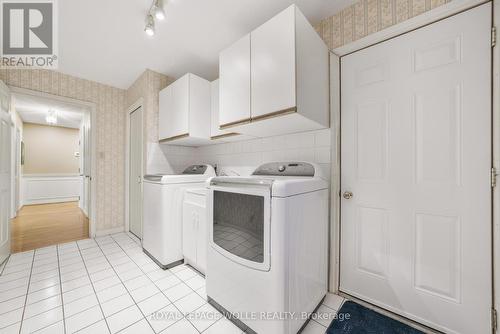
[[369, 16], [110, 126], [158, 159], [148, 86]]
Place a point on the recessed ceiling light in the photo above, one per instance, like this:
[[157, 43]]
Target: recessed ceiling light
[[150, 25]]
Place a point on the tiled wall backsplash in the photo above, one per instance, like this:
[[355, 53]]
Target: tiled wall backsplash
[[168, 159], [242, 157]]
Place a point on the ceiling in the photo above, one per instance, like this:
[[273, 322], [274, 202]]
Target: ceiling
[[34, 109], [105, 41]]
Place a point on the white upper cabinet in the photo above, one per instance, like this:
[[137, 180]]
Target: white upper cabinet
[[217, 135], [234, 76], [215, 131], [289, 81], [165, 104], [185, 112], [273, 65]]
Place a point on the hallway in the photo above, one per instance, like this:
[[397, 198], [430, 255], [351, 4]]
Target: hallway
[[47, 224]]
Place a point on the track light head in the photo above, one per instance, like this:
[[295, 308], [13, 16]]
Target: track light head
[[150, 25], [158, 10]]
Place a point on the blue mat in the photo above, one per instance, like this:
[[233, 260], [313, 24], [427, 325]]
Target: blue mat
[[353, 318]]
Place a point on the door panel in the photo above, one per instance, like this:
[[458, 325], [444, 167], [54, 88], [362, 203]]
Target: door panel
[[234, 67], [273, 73], [176, 119], [416, 154], [135, 173], [5, 171]]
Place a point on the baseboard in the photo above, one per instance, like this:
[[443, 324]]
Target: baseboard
[[51, 200], [101, 233]]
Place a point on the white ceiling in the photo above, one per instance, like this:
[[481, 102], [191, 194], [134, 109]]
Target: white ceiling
[[104, 41], [34, 109]]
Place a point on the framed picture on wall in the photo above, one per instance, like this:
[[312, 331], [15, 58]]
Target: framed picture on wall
[[22, 153]]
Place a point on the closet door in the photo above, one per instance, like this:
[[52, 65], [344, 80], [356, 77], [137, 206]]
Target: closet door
[[416, 156]]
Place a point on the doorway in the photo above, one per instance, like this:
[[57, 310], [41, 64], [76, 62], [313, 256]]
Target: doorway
[[416, 160], [53, 189], [135, 167]]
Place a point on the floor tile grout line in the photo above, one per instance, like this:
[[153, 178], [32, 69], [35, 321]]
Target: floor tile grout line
[[161, 291], [95, 293], [144, 316], [4, 264], [27, 293], [60, 289]]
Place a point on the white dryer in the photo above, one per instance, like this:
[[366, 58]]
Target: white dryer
[[162, 212], [268, 246]]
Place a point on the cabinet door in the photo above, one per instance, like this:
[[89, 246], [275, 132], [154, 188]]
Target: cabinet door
[[202, 237], [177, 119], [214, 110], [234, 82], [273, 65], [165, 110], [189, 231]]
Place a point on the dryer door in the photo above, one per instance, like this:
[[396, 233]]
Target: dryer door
[[239, 223]]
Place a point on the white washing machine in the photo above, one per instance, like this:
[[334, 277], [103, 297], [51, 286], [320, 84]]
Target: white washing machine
[[268, 246], [162, 212]]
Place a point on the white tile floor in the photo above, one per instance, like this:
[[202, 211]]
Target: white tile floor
[[108, 285]]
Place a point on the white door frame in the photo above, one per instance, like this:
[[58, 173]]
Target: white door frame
[[138, 104], [91, 107], [452, 8], [18, 170], [13, 164]]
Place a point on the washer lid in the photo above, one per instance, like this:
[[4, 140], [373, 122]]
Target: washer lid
[[192, 174]]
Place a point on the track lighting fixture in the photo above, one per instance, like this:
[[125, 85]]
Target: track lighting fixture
[[156, 11], [150, 25]]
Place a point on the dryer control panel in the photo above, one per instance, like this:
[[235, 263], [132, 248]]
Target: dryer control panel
[[286, 169]]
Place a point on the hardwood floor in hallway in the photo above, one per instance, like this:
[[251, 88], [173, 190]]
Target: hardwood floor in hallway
[[43, 225]]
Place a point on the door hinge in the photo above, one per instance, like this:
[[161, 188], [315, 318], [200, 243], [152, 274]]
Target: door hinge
[[494, 319], [493, 36], [493, 177]]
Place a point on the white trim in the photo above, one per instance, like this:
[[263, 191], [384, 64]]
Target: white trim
[[91, 108], [333, 284], [429, 17], [50, 175], [138, 104], [496, 159], [50, 189], [51, 200], [108, 231], [13, 166]]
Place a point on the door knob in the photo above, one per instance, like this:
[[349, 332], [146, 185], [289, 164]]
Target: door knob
[[347, 195]]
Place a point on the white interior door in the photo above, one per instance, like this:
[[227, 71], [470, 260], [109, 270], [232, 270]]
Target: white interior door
[[416, 155], [18, 169], [5, 171], [135, 173]]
